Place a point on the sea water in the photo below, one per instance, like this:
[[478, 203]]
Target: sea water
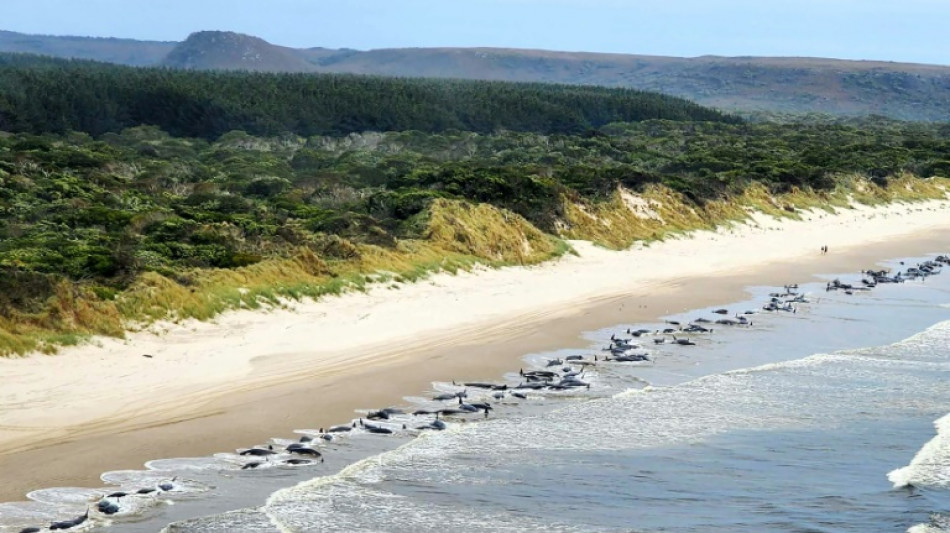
[[834, 418]]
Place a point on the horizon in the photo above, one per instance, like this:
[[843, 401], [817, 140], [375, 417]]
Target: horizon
[[836, 29], [75, 36]]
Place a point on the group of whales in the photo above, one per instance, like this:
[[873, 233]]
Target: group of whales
[[626, 350], [457, 404], [106, 505], [467, 398], [873, 278], [557, 374]]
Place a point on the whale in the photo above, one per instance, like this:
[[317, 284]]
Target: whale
[[69, 524], [258, 452]]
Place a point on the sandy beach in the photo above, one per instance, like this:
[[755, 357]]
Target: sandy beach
[[250, 375]]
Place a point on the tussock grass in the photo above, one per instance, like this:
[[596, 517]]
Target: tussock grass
[[487, 232], [615, 224], [70, 315]]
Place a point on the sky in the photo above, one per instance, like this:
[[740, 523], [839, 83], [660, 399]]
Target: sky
[[891, 30]]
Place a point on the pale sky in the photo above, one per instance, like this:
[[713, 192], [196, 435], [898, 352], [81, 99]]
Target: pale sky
[[894, 30]]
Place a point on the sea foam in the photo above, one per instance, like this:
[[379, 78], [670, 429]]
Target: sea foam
[[931, 466]]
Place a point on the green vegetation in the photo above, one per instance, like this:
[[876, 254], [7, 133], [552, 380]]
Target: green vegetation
[[101, 232], [41, 95]]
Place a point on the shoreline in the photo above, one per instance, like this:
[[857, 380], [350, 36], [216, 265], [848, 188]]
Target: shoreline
[[66, 419]]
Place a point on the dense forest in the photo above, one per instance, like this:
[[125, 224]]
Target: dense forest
[[42, 95], [116, 223]]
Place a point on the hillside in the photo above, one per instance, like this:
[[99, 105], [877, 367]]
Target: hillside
[[793, 85], [41, 95], [121, 51], [786, 85], [218, 50]]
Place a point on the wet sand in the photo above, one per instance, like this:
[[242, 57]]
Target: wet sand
[[293, 391]]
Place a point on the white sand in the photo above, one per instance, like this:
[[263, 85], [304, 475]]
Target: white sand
[[109, 383]]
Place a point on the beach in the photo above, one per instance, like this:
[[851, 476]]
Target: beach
[[251, 375]]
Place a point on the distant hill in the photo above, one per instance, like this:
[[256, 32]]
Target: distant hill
[[787, 85], [122, 51], [792, 85], [224, 50]]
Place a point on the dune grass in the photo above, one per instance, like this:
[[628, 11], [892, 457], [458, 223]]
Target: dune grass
[[662, 213]]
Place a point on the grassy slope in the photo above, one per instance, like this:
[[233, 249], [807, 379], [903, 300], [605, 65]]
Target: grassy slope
[[625, 218], [458, 236]]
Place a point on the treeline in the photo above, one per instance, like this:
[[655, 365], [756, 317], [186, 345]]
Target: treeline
[[43, 95]]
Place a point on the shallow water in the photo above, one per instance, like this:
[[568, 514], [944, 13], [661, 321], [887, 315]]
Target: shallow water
[[800, 447], [785, 425]]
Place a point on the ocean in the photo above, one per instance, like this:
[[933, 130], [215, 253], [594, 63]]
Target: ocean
[[834, 418]]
